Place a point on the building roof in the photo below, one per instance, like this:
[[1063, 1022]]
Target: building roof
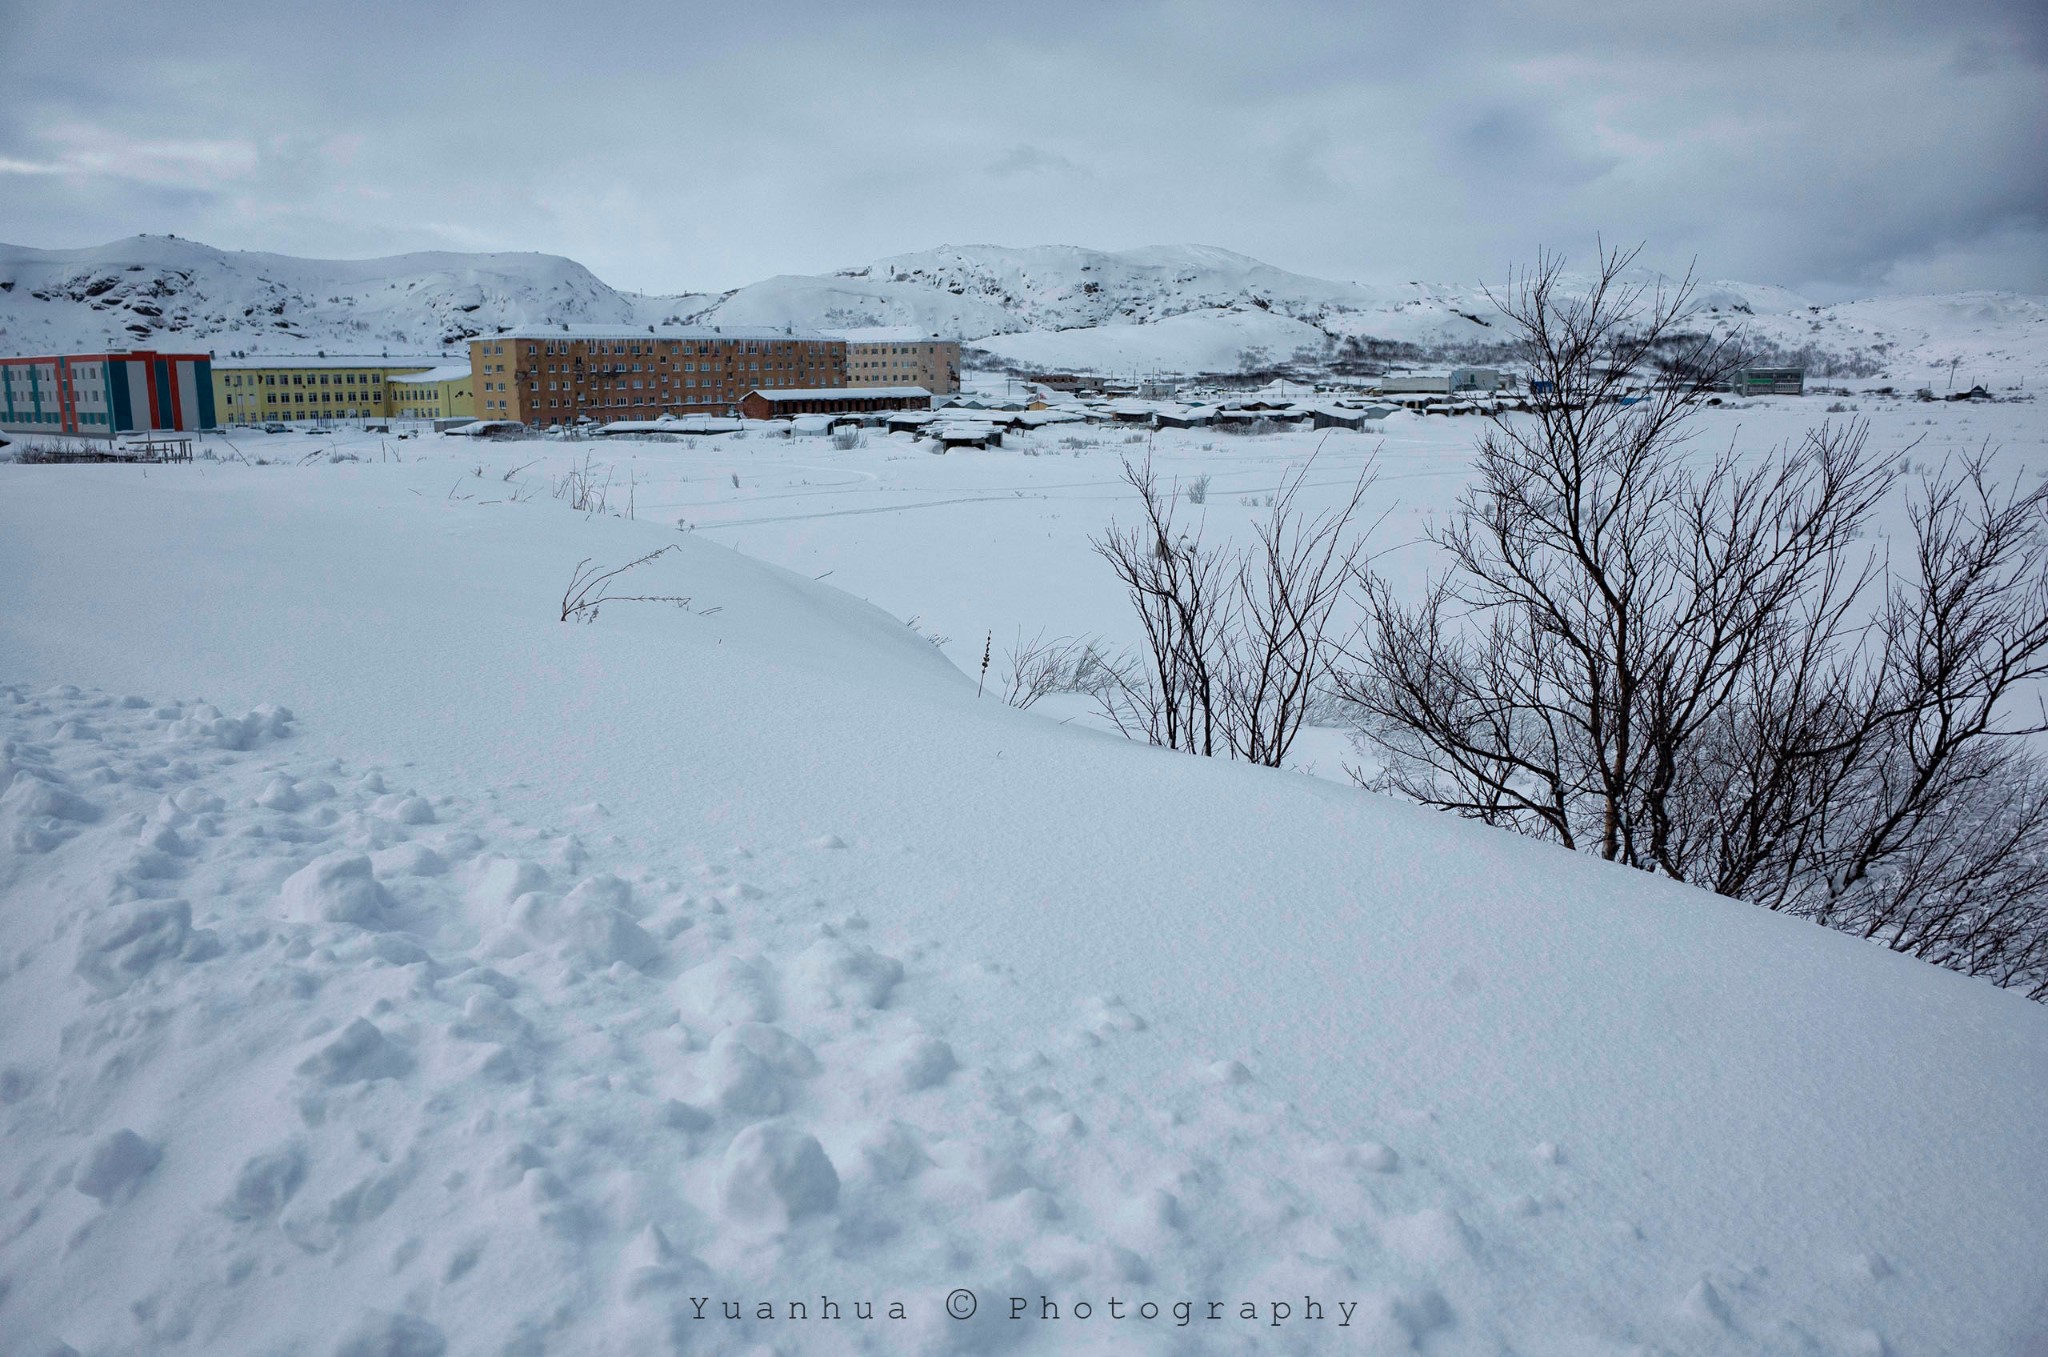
[[814, 393], [558, 333], [332, 360], [451, 372], [106, 355], [889, 334], [681, 424]]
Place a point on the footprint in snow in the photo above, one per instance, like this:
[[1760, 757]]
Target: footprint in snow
[[1106, 1016]]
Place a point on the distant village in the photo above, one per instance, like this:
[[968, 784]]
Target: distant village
[[581, 380]]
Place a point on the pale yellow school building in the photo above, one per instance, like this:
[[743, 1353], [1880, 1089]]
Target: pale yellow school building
[[288, 389], [445, 392]]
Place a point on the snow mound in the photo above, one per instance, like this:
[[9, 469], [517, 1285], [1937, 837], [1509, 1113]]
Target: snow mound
[[521, 1138], [339, 888], [292, 1067]]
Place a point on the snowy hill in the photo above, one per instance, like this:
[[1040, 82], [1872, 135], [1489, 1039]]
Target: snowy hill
[[1042, 292], [1998, 338], [1219, 340], [518, 986], [1183, 308], [1055, 287], [163, 291], [842, 303]]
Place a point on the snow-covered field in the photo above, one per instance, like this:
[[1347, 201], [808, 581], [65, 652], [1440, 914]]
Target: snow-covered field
[[389, 967]]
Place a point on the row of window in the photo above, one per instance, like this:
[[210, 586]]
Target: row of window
[[52, 417], [237, 379], [648, 348], [730, 365], [618, 402], [649, 384]]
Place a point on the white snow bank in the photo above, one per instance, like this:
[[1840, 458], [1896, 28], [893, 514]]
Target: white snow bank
[[743, 956]]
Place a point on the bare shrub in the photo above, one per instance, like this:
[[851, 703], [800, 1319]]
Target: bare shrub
[[934, 637], [586, 488], [1065, 664], [590, 589], [1239, 644], [1702, 668], [847, 440]]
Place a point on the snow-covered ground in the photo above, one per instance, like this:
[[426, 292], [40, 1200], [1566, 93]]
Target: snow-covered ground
[[387, 966]]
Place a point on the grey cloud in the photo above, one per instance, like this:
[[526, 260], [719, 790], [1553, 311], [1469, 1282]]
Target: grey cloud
[[1830, 146], [1024, 158]]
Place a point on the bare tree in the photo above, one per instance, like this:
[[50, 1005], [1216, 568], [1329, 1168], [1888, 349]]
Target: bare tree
[[1286, 642], [1697, 665], [1240, 645], [1180, 589]]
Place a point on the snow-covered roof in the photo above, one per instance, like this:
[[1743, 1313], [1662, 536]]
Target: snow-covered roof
[[272, 361], [674, 424], [645, 333], [815, 393], [449, 372], [889, 334]]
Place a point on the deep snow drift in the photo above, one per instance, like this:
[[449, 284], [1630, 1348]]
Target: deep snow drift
[[387, 966]]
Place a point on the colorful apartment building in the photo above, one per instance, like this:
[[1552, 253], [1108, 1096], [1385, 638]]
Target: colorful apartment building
[[444, 392], [548, 376], [926, 361], [103, 394], [283, 388]]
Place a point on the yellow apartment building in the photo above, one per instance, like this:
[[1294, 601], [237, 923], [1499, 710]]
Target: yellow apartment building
[[288, 388], [446, 392]]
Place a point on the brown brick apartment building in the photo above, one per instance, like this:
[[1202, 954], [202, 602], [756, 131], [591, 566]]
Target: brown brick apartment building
[[880, 358], [554, 376]]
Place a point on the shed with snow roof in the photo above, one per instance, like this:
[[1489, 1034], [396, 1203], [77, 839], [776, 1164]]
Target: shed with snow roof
[[832, 400]]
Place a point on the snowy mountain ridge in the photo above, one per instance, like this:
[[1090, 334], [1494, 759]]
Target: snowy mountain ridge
[[1189, 308]]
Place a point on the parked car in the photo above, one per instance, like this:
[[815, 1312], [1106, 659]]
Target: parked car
[[274, 427]]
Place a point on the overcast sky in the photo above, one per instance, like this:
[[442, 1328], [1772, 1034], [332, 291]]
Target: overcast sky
[[1841, 149]]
